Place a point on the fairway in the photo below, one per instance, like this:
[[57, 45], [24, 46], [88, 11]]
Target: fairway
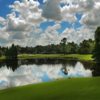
[[65, 89], [82, 57]]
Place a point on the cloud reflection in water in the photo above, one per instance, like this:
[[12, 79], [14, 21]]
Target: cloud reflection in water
[[29, 74]]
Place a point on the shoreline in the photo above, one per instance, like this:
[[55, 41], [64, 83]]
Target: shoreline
[[80, 57]]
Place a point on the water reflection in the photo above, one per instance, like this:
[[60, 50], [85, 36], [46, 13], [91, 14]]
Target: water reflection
[[78, 71], [13, 64], [64, 69], [96, 70], [16, 73]]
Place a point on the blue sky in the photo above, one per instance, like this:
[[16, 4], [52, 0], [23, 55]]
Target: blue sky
[[4, 6], [5, 9], [38, 22]]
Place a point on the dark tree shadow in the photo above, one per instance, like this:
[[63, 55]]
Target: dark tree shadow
[[13, 64], [96, 70]]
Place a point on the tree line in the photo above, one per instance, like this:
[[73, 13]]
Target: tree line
[[64, 47]]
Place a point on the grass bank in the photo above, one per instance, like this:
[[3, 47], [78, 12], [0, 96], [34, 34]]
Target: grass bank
[[86, 57], [65, 89]]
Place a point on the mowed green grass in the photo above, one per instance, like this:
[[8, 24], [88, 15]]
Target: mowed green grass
[[85, 57], [65, 89]]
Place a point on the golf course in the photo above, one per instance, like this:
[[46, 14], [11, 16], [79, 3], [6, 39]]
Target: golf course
[[59, 89], [82, 57], [64, 89], [49, 49]]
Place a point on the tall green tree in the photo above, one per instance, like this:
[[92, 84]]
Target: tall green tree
[[63, 44], [86, 46], [11, 52], [72, 48], [96, 53]]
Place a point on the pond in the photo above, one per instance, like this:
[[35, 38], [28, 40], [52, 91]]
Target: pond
[[22, 72]]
